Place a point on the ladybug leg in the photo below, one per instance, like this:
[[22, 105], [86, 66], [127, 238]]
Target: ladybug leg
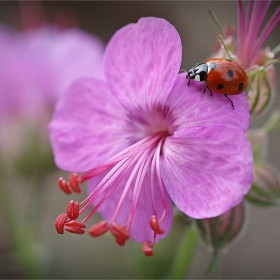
[[230, 101], [204, 89], [189, 81], [211, 94]]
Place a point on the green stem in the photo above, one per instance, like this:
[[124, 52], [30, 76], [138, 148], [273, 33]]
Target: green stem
[[230, 55], [276, 49], [184, 256], [215, 21], [21, 233], [213, 271]]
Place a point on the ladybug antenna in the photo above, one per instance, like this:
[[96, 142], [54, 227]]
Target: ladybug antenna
[[230, 55]]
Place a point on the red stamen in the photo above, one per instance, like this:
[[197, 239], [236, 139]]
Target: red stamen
[[119, 231], [74, 227], [73, 210], [120, 241], [64, 186], [131, 165], [75, 224], [147, 248], [98, 229], [74, 182], [60, 222], [155, 225]]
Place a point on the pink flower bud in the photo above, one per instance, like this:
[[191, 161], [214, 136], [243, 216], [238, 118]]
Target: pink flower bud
[[265, 190], [221, 230]]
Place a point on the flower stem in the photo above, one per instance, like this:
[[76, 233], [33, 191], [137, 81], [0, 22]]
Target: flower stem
[[22, 235], [183, 258], [213, 271], [230, 55], [276, 49], [215, 21]]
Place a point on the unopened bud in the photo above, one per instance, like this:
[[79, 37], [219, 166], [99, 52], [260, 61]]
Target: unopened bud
[[265, 190], [221, 230], [261, 89]]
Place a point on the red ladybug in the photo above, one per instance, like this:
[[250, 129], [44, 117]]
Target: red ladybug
[[220, 75]]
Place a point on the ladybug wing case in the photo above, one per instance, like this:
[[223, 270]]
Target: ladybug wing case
[[227, 78]]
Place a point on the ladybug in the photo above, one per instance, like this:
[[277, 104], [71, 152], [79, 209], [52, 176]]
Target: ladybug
[[220, 75]]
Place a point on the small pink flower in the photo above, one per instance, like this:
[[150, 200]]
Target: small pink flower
[[250, 38], [246, 48], [38, 64], [144, 139]]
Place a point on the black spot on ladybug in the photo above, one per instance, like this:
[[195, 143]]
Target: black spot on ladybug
[[229, 60], [240, 86], [213, 65], [220, 86], [230, 73]]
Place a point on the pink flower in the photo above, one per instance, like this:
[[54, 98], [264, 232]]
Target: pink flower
[[37, 65], [144, 139], [246, 48], [250, 39]]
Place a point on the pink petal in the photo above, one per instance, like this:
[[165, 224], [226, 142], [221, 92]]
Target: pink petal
[[142, 61], [258, 14], [207, 170], [140, 229], [87, 126], [188, 107], [267, 30], [241, 27], [60, 57], [38, 65]]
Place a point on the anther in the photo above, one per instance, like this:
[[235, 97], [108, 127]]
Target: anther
[[98, 229], [75, 227], [60, 222], [73, 210], [74, 182], [119, 231], [120, 241], [155, 225], [147, 248], [64, 186]]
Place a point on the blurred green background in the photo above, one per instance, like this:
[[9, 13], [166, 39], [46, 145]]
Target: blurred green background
[[255, 254]]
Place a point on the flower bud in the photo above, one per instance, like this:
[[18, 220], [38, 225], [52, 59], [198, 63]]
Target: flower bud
[[265, 190], [260, 89], [219, 231]]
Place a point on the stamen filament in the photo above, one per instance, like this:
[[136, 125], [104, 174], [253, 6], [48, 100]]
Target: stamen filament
[[138, 185], [128, 183], [108, 179], [142, 144], [110, 190], [161, 188]]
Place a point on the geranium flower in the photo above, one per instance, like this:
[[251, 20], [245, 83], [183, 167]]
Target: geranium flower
[[38, 64], [246, 48], [144, 139]]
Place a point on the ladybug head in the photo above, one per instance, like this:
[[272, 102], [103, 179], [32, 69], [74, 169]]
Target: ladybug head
[[191, 74], [198, 72]]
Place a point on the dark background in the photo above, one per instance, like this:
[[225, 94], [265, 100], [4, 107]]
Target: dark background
[[256, 253]]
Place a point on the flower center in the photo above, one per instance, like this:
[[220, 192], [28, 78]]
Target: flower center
[[127, 170]]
